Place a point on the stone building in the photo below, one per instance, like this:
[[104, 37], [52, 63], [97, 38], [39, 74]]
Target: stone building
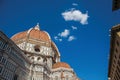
[[115, 5], [32, 55], [114, 61]]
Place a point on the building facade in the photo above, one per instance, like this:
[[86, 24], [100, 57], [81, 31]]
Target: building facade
[[13, 65], [114, 61], [32, 55], [115, 5]]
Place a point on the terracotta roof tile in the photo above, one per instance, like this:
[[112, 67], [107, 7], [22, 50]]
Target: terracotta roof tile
[[60, 64], [34, 34]]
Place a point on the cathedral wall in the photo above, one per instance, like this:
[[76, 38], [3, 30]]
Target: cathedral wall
[[63, 74]]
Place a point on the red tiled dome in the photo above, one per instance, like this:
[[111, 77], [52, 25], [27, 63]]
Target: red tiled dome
[[33, 33], [60, 64]]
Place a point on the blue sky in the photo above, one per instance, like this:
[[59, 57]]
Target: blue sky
[[80, 29]]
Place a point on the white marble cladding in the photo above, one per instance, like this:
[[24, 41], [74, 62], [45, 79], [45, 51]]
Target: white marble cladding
[[44, 50], [38, 68], [62, 68], [60, 74]]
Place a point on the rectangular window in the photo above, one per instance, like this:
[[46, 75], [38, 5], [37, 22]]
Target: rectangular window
[[10, 66], [10, 76], [115, 57], [7, 48], [118, 62], [117, 73], [116, 50], [0, 58], [3, 60], [4, 73], [1, 69], [117, 43], [115, 5], [15, 77], [1, 45], [7, 64]]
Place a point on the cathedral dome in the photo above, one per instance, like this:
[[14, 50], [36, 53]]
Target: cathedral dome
[[36, 41], [61, 64], [33, 33]]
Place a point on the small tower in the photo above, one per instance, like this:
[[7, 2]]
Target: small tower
[[37, 27]]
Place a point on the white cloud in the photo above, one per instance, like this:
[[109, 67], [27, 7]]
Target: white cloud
[[65, 33], [56, 38], [74, 4], [71, 38], [75, 15], [74, 28], [60, 40]]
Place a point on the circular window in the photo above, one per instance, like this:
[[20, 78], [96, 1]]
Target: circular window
[[37, 48]]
